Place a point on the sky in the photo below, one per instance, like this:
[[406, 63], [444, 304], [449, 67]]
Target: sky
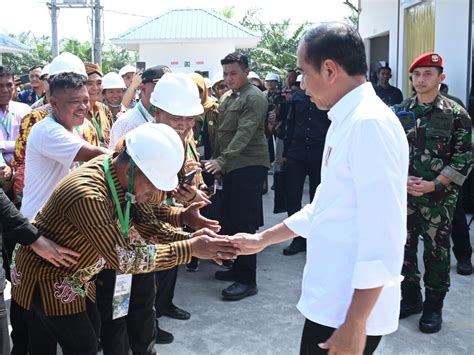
[[120, 15]]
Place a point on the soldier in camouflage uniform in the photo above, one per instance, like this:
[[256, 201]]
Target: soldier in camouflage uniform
[[439, 135]]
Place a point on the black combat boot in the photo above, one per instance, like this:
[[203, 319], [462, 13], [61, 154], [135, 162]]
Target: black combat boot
[[412, 302], [431, 319]]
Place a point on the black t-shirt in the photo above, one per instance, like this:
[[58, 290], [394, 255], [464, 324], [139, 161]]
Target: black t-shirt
[[391, 95]]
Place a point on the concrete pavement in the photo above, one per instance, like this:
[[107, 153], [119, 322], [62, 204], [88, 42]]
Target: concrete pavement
[[269, 322]]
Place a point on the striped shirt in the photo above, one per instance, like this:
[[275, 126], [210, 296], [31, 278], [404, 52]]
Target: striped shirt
[[81, 215], [102, 119]]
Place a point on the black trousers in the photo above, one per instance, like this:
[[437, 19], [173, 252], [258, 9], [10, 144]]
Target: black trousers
[[76, 334], [460, 233], [137, 329], [243, 212], [165, 286], [4, 338], [296, 172], [314, 334]]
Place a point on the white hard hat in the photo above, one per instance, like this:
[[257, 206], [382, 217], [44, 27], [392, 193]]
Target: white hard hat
[[272, 76], [113, 80], [178, 94], [158, 152], [127, 69], [219, 76], [45, 70], [253, 75], [208, 83], [299, 78], [67, 63]]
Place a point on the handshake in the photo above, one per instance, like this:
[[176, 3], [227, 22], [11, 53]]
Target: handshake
[[206, 244]]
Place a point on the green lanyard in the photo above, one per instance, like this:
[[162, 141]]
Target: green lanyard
[[123, 219], [8, 124], [98, 128]]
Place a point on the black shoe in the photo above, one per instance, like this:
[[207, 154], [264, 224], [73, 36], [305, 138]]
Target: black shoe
[[464, 267], [412, 302], [163, 337], [295, 247], [193, 266], [176, 313], [226, 275], [238, 291], [431, 319]]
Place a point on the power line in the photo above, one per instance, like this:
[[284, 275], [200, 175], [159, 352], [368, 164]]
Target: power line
[[126, 13]]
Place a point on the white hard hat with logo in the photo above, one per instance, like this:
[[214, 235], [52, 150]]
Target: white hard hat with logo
[[67, 63], [272, 76], [158, 152], [127, 69], [113, 80], [178, 94]]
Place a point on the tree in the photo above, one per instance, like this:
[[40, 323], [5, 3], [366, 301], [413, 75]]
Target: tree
[[276, 51], [39, 55], [113, 57], [353, 18]]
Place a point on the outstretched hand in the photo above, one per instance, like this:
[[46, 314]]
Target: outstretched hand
[[205, 244], [248, 244], [192, 218], [54, 253]]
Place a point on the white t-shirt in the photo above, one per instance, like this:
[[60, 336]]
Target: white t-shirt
[[50, 152], [356, 224], [127, 121]]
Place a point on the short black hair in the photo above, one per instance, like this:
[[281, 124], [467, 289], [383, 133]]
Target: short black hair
[[236, 57], [338, 42], [384, 67], [63, 81], [5, 70], [443, 86], [37, 66]]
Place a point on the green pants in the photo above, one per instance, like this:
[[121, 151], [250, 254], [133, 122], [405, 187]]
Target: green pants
[[433, 222]]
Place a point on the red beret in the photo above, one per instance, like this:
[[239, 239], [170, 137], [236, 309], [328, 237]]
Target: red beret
[[430, 59]]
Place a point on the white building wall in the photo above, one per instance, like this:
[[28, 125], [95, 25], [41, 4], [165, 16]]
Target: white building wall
[[202, 56], [451, 37], [452, 43], [379, 17]]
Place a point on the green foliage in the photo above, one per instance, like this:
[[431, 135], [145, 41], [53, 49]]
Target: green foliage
[[276, 51], [21, 62], [113, 57]]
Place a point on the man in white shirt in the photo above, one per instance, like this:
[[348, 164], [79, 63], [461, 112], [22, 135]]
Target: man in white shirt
[[11, 114], [140, 114], [52, 146], [356, 225]]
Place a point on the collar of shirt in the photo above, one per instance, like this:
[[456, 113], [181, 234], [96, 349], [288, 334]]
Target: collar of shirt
[[240, 90], [148, 117], [349, 101]]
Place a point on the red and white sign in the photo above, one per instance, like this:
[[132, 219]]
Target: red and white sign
[[174, 62]]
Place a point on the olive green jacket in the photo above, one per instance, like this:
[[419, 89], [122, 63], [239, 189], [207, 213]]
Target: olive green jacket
[[241, 138]]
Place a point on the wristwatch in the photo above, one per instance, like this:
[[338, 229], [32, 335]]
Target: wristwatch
[[438, 185]]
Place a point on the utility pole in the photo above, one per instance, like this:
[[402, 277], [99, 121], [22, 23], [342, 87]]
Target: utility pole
[[54, 28], [97, 33]]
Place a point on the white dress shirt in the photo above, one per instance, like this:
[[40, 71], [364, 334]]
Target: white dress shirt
[[356, 224], [127, 121]]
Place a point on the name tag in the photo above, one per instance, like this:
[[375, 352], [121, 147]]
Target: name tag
[[121, 299]]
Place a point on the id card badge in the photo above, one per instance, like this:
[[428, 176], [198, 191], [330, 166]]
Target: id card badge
[[121, 299]]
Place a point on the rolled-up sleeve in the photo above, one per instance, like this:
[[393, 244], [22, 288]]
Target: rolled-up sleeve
[[300, 222], [380, 167]]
